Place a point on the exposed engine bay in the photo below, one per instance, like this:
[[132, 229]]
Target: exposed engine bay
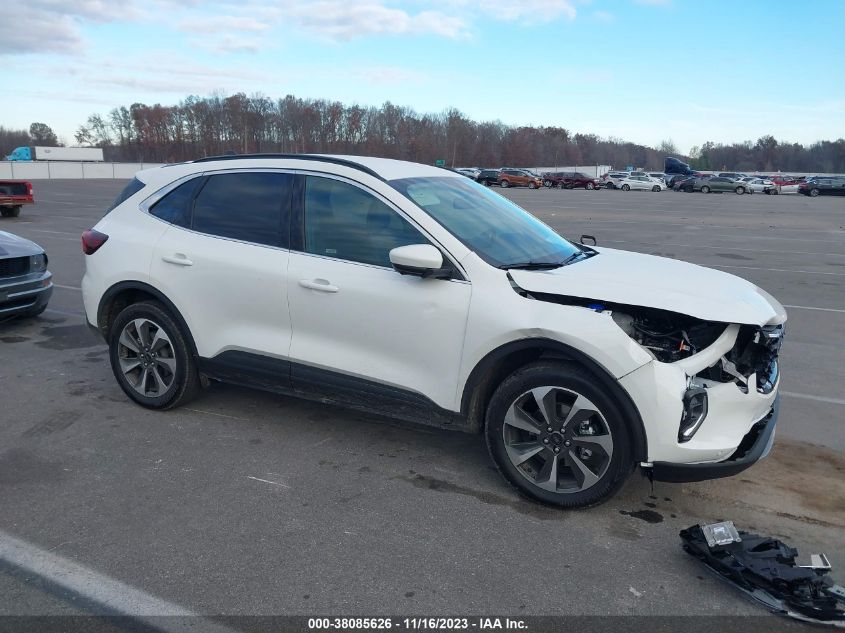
[[671, 336], [668, 336]]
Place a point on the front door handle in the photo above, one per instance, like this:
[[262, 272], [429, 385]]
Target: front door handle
[[177, 258], [318, 284]]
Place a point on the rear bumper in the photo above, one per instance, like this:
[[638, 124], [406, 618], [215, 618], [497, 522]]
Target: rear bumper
[[26, 294], [754, 446]]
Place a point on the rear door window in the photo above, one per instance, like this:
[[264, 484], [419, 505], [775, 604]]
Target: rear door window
[[249, 206]]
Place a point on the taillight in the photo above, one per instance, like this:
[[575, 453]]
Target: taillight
[[92, 240]]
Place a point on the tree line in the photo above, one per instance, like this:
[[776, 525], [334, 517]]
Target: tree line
[[38, 134], [219, 124]]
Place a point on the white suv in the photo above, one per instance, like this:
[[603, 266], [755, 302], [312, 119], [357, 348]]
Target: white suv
[[412, 291]]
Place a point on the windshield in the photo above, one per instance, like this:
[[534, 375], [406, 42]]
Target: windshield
[[493, 227]]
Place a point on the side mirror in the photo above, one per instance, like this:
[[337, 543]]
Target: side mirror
[[420, 260]]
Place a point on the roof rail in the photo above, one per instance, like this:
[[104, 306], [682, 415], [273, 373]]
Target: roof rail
[[314, 157]]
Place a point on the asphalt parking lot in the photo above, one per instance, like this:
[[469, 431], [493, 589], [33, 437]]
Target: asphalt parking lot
[[252, 503]]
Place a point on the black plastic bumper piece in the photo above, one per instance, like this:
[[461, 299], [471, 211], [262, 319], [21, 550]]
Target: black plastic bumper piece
[[755, 445], [765, 569]]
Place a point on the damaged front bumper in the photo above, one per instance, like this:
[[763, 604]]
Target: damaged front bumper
[[711, 414], [756, 444]]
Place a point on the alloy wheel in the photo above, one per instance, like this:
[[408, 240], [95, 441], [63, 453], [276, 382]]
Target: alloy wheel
[[557, 439], [147, 358]]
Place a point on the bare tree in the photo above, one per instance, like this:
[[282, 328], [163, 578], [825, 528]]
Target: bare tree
[[42, 134]]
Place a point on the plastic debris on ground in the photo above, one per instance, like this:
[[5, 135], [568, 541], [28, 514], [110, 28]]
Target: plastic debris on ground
[[765, 569]]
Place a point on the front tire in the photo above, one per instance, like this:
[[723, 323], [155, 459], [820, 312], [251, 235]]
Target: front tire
[[504, 184], [589, 186], [656, 188], [151, 357], [740, 191], [531, 185], [547, 183], [557, 436], [626, 188]]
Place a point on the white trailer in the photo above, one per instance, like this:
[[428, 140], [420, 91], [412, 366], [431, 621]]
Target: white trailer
[[67, 153]]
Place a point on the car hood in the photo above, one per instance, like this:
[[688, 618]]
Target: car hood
[[616, 276], [13, 246]]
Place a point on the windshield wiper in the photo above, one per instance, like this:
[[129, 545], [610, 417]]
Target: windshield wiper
[[531, 265], [573, 257]]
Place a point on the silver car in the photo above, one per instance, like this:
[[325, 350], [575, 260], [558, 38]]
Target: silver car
[[25, 282]]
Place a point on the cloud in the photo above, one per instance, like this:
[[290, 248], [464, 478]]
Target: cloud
[[603, 16], [222, 23], [343, 20], [529, 11], [53, 26], [57, 26]]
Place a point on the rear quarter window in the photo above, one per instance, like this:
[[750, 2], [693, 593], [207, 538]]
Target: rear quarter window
[[133, 187], [175, 207]]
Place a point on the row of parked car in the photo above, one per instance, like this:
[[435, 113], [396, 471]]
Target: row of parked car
[[521, 177], [741, 184], [735, 182]]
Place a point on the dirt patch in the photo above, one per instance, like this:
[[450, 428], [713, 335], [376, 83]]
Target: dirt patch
[[798, 481], [530, 508], [68, 337]]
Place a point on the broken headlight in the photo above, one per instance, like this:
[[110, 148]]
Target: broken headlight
[[754, 353]]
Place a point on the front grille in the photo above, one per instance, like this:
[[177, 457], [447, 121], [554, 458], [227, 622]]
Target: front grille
[[14, 267]]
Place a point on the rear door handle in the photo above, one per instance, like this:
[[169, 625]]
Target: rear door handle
[[318, 284], [178, 258]]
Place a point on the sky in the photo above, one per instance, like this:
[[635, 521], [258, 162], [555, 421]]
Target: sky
[[688, 71]]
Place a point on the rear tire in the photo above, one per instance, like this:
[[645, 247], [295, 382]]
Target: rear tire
[[814, 192], [11, 212], [151, 357], [589, 186], [559, 185], [593, 457], [547, 183]]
